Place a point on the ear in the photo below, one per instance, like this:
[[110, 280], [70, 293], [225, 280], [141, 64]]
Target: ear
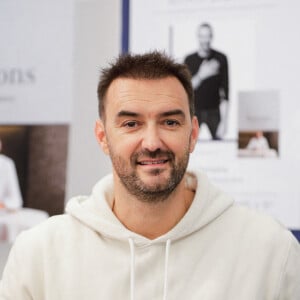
[[101, 136], [194, 134]]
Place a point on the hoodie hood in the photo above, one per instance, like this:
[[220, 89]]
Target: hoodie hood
[[95, 212]]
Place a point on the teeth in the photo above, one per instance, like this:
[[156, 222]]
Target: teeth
[[152, 162]]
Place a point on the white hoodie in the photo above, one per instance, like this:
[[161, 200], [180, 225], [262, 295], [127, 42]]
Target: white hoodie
[[218, 251]]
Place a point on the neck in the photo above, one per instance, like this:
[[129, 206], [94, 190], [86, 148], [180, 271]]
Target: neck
[[203, 53], [151, 220]]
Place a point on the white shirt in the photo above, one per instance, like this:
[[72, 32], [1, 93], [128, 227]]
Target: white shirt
[[258, 143], [10, 194]]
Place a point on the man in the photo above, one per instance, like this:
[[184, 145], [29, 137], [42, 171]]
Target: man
[[151, 230], [13, 217], [10, 195], [209, 69], [258, 143]]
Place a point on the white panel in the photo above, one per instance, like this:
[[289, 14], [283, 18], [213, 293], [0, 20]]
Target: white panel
[[36, 61]]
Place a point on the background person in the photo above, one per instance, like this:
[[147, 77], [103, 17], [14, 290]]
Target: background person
[[10, 195], [13, 216], [258, 142], [210, 79]]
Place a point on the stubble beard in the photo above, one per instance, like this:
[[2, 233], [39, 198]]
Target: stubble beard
[[150, 193]]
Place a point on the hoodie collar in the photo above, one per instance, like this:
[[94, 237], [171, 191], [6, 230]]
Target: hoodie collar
[[95, 212]]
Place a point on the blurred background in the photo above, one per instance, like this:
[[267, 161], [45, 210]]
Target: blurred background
[[50, 60]]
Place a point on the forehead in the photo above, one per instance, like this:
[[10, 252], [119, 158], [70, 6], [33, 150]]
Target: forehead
[[128, 93]]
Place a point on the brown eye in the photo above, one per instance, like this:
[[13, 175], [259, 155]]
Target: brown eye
[[171, 123], [131, 124]]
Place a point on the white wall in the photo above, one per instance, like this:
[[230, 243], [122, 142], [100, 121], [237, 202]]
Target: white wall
[[97, 41]]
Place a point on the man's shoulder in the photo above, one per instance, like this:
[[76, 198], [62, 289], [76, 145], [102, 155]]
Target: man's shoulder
[[6, 160], [191, 57], [54, 228], [218, 54], [258, 226]]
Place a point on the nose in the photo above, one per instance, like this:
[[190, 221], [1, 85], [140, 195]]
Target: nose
[[151, 139]]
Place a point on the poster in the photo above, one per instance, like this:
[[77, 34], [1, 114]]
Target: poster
[[36, 61], [36, 69], [257, 159]]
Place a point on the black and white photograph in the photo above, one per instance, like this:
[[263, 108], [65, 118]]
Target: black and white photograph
[[210, 79], [214, 60]]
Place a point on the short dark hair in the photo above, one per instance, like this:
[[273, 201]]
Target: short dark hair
[[151, 65], [206, 25]]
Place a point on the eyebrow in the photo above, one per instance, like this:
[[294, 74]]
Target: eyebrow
[[174, 112], [126, 113]]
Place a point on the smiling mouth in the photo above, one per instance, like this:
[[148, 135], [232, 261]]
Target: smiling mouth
[[153, 162]]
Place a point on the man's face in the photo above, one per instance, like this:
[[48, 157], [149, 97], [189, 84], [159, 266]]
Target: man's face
[[204, 35], [259, 134], [148, 133]]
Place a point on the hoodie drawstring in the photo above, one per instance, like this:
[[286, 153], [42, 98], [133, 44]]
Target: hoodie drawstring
[[132, 271], [132, 268], [167, 254]]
